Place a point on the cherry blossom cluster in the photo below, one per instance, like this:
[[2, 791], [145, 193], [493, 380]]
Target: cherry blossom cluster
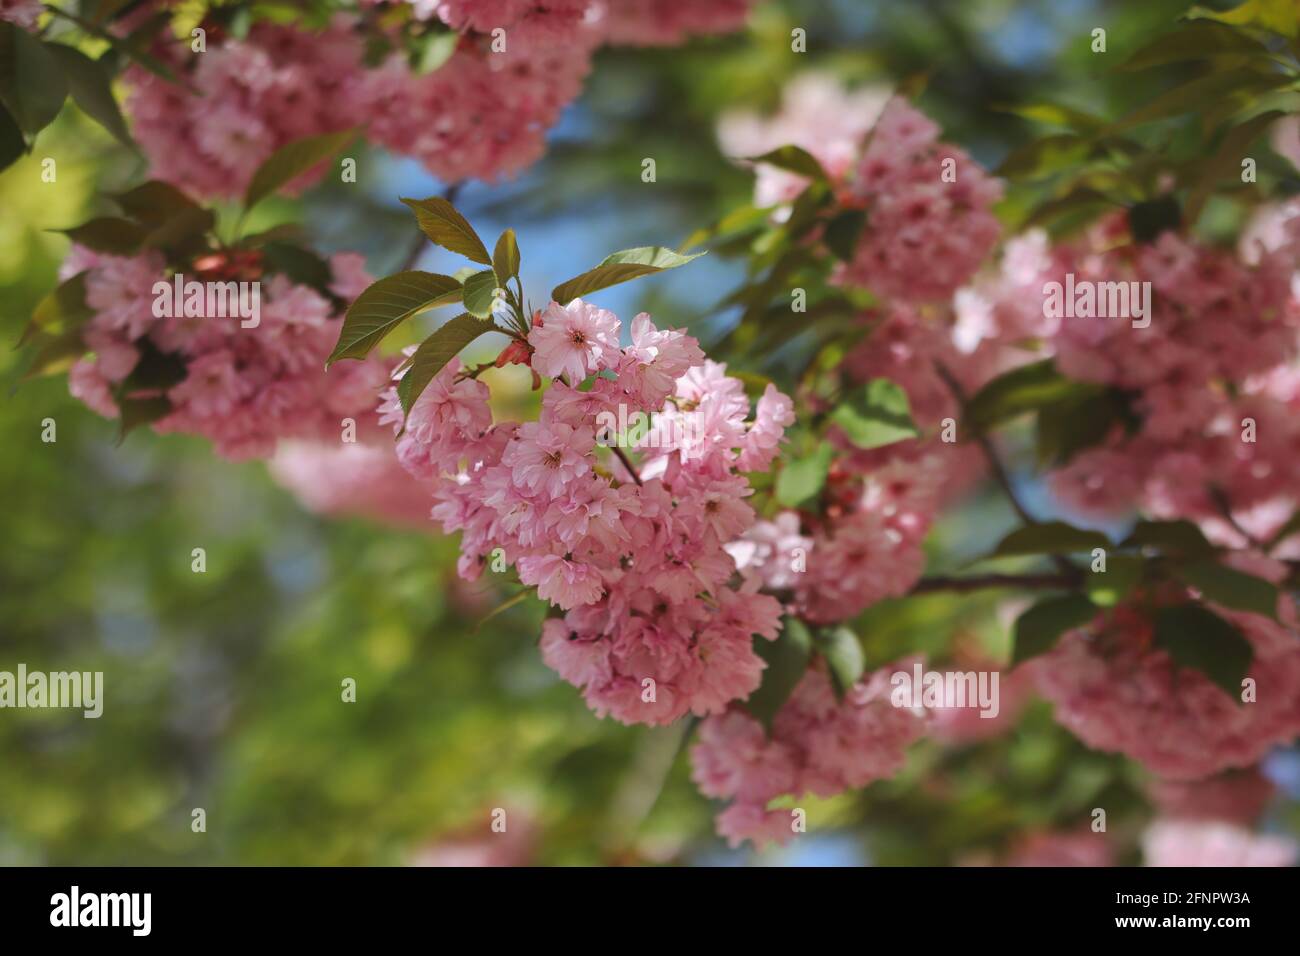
[[364, 478], [1116, 691], [655, 623], [242, 388], [481, 114], [930, 224], [25, 13], [819, 744]]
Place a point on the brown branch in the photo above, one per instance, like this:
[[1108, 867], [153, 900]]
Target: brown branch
[[981, 582], [626, 463]]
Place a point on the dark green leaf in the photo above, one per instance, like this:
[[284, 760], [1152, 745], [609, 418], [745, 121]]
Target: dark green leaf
[[1198, 93], [1024, 389], [114, 236], [12, 144], [787, 662], [620, 267], [1197, 638], [1037, 629], [878, 415], [1046, 156], [91, 86], [63, 310], [842, 233], [32, 83], [387, 304], [435, 352], [843, 653], [1196, 41], [1169, 537], [1226, 159], [184, 235], [1052, 537], [1229, 587], [1276, 16], [302, 266], [154, 203], [1067, 427], [134, 412], [792, 159], [1147, 220], [291, 161], [446, 227]]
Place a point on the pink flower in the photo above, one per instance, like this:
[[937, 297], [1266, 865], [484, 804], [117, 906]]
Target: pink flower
[[546, 456], [563, 582], [574, 340], [1172, 843]]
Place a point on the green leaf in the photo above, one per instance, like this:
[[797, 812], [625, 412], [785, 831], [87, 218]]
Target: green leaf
[[793, 159], [803, 478], [1169, 537], [91, 86], [184, 234], [1108, 588], [434, 50], [1226, 159], [1197, 638], [446, 227], [1196, 41], [292, 160], [1199, 93], [1037, 629], [843, 653], [505, 257], [620, 267], [387, 304], [63, 310], [1053, 114], [55, 353], [435, 352], [1024, 389], [480, 293], [155, 371], [32, 83], [108, 234], [787, 662], [879, 415], [1051, 537], [1276, 16], [1229, 587], [1046, 156]]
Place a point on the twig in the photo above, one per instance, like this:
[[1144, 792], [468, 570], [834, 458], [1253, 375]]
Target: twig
[[963, 585], [1225, 509], [626, 463]]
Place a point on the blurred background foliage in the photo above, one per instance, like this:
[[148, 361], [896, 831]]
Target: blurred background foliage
[[223, 689]]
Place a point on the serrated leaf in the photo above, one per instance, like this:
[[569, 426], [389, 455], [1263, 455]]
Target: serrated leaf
[[292, 160], [1229, 587], [1038, 628], [91, 86], [1051, 537], [1169, 537], [803, 478], [480, 293], [843, 653], [621, 267], [109, 234], [435, 352], [793, 159], [1196, 638], [505, 257], [387, 304], [787, 662], [440, 221], [32, 83], [1108, 588], [878, 415]]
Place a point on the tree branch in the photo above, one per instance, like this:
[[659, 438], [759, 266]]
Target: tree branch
[[981, 582]]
